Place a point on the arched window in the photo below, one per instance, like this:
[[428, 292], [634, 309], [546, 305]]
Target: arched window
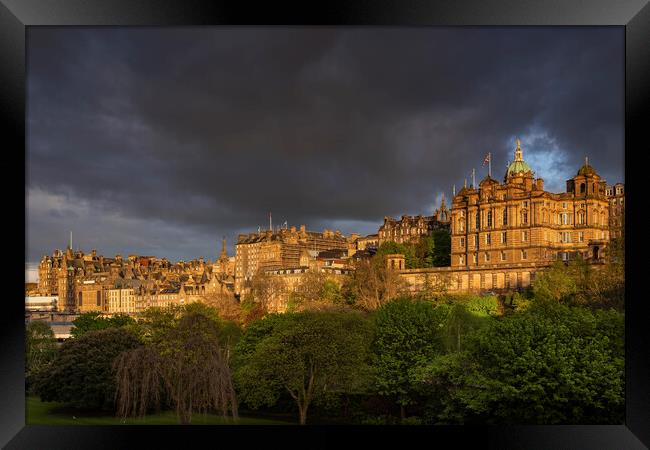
[[582, 188], [524, 217]]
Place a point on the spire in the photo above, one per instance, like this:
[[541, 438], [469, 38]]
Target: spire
[[465, 184], [224, 254], [586, 161], [518, 153], [442, 204], [454, 190]]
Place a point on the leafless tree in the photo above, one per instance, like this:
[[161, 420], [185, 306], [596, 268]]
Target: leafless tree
[[189, 367], [374, 284], [225, 304]]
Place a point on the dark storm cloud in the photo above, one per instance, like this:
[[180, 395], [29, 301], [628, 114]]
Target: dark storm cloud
[[200, 132]]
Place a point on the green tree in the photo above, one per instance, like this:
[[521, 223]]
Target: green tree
[[81, 374], [408, 334], [40, 350], [548, 365], [441, 255], [555, 284], [309, 355], [93, 321], [424, 251]]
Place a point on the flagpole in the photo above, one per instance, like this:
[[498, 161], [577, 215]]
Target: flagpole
[[489, 164]]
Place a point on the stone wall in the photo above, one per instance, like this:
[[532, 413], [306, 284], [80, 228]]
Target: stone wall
[[475, 280]]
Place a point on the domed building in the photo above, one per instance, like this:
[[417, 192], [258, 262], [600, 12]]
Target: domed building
[[517, 222]]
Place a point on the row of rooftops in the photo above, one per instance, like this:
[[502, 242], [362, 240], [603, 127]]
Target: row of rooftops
[[283, 234]]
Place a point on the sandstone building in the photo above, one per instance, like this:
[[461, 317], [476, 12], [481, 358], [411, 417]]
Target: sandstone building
[[91, 282], [273, 250], [409, 229], [518, 222], [616, 196]]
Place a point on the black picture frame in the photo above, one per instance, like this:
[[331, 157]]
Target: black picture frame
[[634, 15]]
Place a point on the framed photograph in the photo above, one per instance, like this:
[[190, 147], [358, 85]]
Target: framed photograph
[[327, 220]]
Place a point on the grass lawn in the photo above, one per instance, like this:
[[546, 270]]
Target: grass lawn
[[52, 413]]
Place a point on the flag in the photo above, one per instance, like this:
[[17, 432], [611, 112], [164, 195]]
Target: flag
[[487, 159]]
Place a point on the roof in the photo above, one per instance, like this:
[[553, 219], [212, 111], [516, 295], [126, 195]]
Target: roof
[[517, 167], [586, 169]]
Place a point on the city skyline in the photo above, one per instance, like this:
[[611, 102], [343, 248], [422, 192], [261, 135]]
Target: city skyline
[[315, 125]]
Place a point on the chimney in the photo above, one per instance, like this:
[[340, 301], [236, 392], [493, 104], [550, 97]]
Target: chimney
[[540, 184]]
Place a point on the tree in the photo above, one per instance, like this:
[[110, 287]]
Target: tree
[[390, 247], [578, 283], [548, 365], [441, 254], [81, 374], [315, 291], [556, 284], [227, 307], [463, 314], [309, 355], [251, 310], [189, 367], [408, 334], [93, 321], [372, 284], [267, 289], [40, 350]]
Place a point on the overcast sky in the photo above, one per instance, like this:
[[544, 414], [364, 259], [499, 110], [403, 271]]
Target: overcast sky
[[159, 141]]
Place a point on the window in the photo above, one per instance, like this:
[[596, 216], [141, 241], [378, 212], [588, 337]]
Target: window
[[489, 218], [488, 239], [505, 216], [524, 236], [487, 257], [462, 242], [504, 237], [99, 298], [563, 205], [582, 188], [461, 260], [524, 217], [475, 258], [478, 220], [581, 218], [524, 255], [503, 256], [581, 237]]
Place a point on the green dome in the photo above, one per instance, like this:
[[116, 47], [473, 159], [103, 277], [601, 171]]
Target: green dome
[[587, 170], [517, 167]]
